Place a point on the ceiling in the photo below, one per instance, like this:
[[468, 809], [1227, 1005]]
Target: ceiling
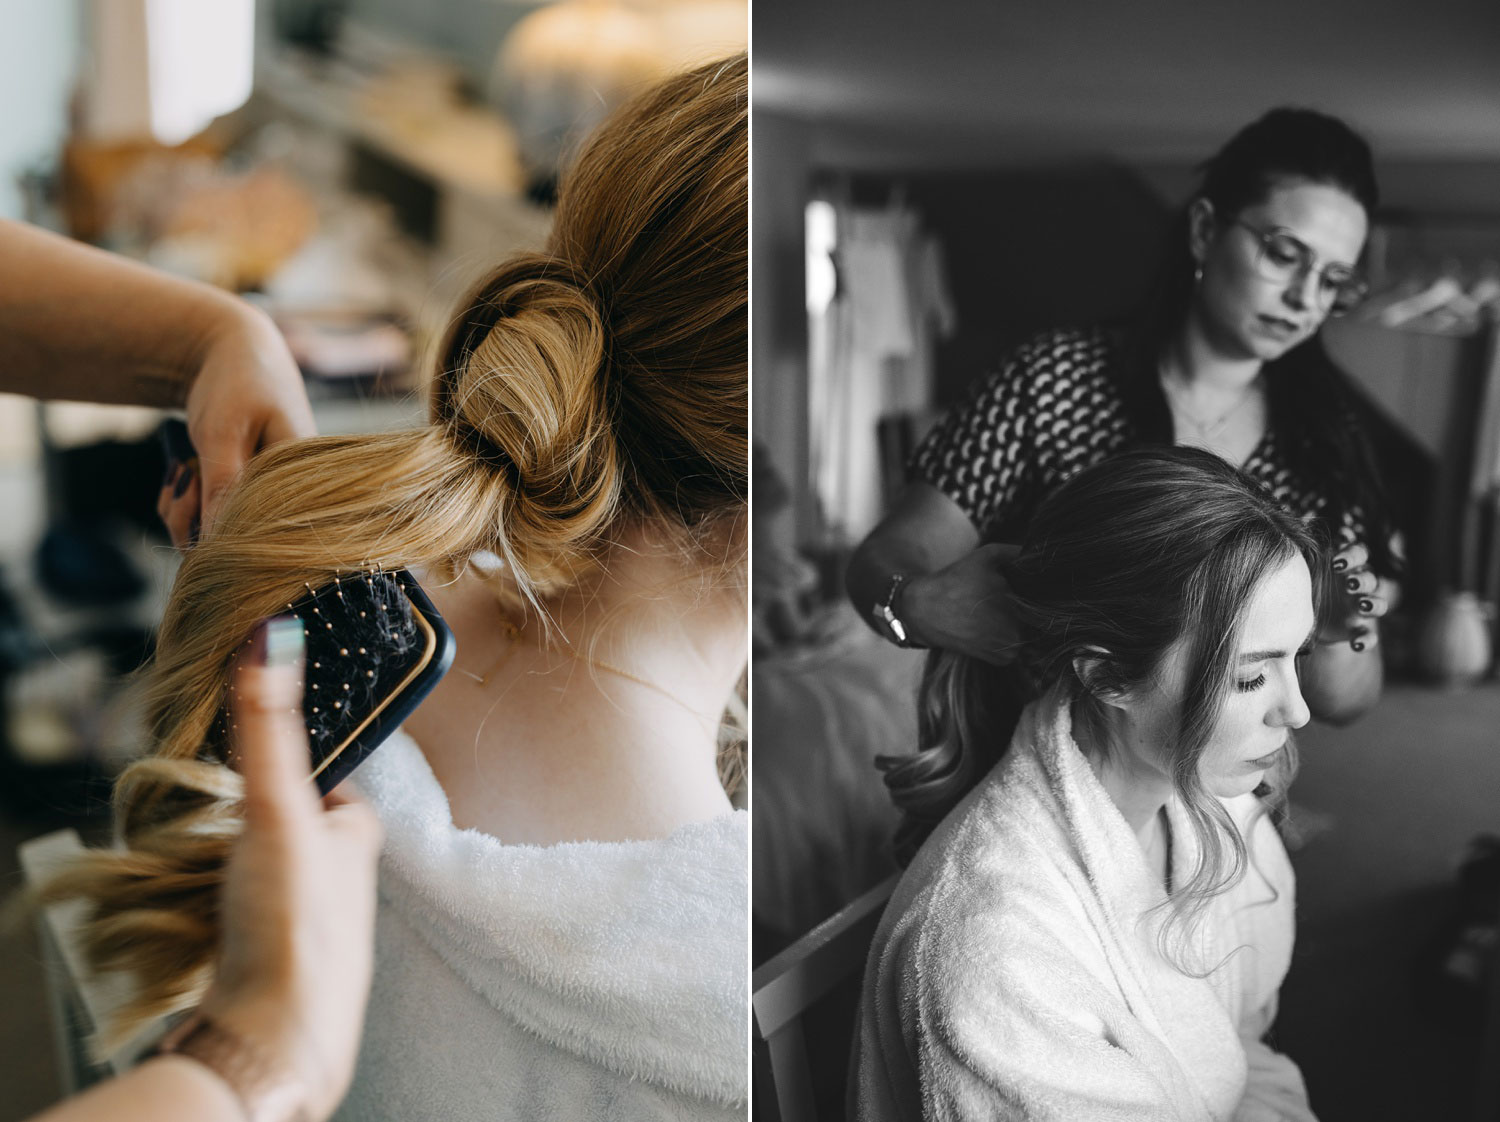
[[1141, 79]]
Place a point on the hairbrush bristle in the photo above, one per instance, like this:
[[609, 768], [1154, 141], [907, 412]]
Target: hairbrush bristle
[[364, 640], [367, 631]]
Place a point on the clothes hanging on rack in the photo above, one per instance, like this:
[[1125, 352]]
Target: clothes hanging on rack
[[874, 354]]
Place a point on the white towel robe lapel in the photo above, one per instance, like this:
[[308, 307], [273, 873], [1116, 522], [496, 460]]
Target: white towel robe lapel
[[576, 981]]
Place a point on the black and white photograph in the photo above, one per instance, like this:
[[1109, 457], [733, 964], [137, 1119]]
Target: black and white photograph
[[1126, 425]]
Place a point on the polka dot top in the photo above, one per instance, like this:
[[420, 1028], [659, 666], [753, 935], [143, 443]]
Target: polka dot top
[[1054, 408]]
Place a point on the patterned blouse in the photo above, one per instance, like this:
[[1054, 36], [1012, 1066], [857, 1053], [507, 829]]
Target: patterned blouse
[[1054, 408]]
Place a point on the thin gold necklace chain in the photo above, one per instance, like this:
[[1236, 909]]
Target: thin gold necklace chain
[[1207, 430], [515, 634]]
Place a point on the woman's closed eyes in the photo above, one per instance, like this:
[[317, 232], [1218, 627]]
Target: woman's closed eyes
[[1250, 685]]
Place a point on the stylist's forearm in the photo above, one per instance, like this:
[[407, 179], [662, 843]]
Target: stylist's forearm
[[871, 568], [165, 1089], [79, 323], [924, 532]]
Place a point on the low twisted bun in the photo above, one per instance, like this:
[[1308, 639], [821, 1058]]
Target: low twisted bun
[[524, 386], [608, 374], [605, 378]]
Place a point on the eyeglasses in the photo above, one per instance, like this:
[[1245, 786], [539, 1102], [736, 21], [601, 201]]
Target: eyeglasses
[[1284, 258]]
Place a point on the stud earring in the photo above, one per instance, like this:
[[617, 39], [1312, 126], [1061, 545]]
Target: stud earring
[[1198, 275]]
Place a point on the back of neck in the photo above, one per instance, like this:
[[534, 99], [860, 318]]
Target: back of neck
[[603, 726]]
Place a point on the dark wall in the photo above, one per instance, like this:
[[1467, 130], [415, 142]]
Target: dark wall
[[1031, 248], [780, 181]]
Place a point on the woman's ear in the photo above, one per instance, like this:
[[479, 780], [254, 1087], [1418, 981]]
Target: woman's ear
[[1093, 668], [1202, 226]]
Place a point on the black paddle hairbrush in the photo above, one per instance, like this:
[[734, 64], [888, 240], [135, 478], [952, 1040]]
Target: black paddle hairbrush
[[375, 647]]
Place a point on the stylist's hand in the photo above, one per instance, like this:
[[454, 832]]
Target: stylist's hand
[[964, 607], [247, 395], [299, 897], [1360, 599]]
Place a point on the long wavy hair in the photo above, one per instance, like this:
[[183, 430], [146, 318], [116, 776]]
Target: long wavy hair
[[1128, 558], [598, 384], [1308, 396]]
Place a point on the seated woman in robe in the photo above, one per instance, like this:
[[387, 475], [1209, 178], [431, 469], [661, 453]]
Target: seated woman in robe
[[562, 926], [1098, 929]]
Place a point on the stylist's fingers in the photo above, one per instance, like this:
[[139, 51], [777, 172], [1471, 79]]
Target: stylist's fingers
[[346, 809], [246, 398], [965, 606], [298, 905], [988, 585], [294, 424], [269, 742], [225, 447], [998, 552], [177, 504], [1359, 582], [343, 795], [1351, 558]]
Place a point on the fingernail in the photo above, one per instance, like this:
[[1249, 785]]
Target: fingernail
[[277, 643], [183, 483], [1351, 583], [1366, 605], [1339, 564]]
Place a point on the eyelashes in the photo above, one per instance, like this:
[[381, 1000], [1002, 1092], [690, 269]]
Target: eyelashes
[[1250, 685]]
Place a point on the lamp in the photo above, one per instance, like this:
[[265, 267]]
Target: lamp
[[564, 67]]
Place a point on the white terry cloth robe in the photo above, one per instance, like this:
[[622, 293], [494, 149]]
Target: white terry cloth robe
[[577, 981], [1016, 973]]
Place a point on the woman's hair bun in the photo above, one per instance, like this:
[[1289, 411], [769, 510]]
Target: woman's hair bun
[[605, 377], [523, 384]]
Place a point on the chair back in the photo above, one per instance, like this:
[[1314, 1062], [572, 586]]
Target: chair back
[[826, 963]]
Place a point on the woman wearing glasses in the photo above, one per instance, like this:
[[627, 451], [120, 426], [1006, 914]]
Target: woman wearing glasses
[[1226, 358]]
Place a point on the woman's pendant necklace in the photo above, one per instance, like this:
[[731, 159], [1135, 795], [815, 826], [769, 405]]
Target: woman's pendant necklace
[[1208, 429]]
